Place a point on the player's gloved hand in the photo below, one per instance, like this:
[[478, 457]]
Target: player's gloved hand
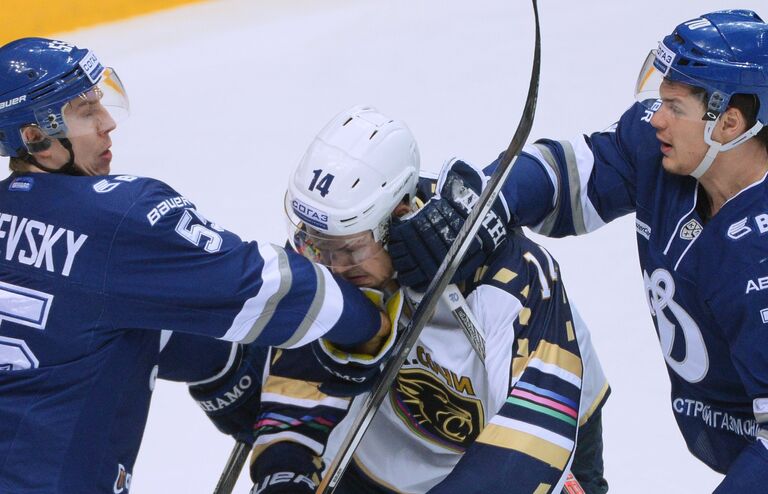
[[418, 243], [232, 398], [286, 468], [352, 372]]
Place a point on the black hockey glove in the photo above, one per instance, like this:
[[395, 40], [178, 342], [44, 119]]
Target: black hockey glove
[[232, 399], [286, 468], [419, 243]]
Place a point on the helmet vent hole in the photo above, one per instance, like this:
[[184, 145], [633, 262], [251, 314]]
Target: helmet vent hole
[[374, 133], [356, 182], [345, 123], [383, 185], [32, 74]]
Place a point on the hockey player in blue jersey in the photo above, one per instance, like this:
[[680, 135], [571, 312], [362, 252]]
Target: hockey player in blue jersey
[[95, 266], [690, 159], [453, 417]]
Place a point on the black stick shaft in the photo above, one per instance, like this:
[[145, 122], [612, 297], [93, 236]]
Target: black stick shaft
[[444, 273], [232, 469]]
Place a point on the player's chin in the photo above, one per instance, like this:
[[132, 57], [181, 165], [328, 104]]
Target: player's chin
[[101, 165], [361, 280], [669, 164]]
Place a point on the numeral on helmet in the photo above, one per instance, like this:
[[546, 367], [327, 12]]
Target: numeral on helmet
[[321, 184]]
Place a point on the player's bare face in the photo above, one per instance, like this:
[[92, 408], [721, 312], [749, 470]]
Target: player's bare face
[[680, 128], [89, 125]]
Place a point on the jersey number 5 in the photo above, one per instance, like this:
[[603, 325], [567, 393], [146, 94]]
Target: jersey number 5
[[28, 308], [193, 227]]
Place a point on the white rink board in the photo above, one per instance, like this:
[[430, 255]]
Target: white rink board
[[226, 96]]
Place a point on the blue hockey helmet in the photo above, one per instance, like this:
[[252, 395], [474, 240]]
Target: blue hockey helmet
[[39, 78], [724, 52]]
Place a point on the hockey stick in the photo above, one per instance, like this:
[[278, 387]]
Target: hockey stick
[[444, 273], [463, 315], [232, 469], [456, 302]]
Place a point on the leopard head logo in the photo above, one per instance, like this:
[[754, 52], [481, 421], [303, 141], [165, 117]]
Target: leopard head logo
[[435, 411]]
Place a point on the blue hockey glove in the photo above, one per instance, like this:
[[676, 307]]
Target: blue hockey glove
[[286, 468], [419, 243], [232, 398], [352, 373]]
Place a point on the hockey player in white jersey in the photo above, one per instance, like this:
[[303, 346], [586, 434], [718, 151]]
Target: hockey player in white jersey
[[95, 266], [453, 423], [690, 159]]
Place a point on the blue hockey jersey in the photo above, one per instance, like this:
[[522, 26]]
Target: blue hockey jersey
[[91, 269], [706, 282]]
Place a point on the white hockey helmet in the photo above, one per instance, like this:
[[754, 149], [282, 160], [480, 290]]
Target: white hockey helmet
[[348, 183]]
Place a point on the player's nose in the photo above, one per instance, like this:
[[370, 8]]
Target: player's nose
[[659, 119]]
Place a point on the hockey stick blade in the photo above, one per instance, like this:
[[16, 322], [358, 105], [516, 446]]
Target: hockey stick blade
[[442, 277], [232, 469]]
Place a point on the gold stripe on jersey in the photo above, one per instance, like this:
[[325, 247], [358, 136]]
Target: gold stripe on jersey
[[480, 273], [526, 443], [522, 347], [524, 316], [294, 388], [556, 355], [518, 367], [542, 489], [569, 330], [520, 362], [504, 275]]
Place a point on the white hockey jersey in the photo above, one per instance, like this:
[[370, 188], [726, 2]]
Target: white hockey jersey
[[453, 425]]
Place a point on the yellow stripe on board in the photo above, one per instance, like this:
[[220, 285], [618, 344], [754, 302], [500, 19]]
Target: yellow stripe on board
[[23, 18], [528, 444]]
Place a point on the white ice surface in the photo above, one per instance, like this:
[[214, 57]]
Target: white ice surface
[[226, 96]]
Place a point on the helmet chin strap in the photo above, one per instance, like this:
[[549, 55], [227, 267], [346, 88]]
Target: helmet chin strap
[[716, 147], [68, 168]]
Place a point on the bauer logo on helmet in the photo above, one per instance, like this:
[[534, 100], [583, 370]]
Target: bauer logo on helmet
[[13, 101]]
